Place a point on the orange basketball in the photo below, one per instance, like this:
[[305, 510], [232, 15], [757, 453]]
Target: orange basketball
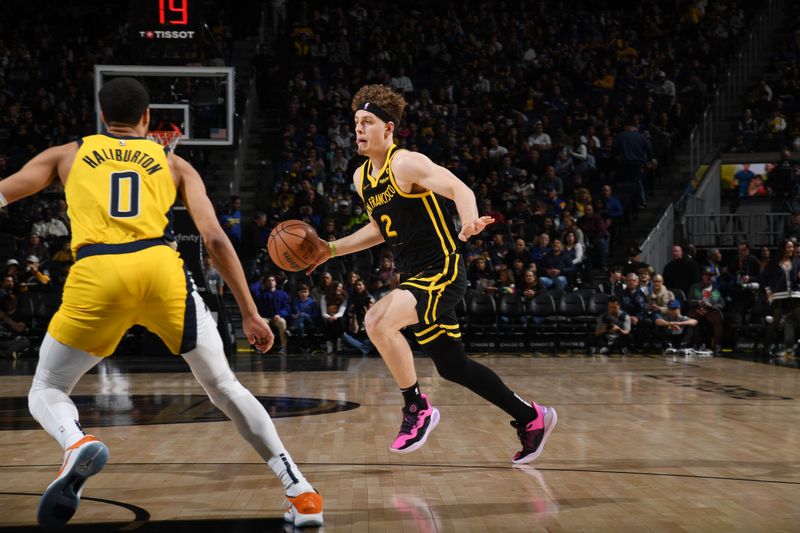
[[292, 245]]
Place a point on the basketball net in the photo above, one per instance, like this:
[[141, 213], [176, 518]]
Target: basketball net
[[166, 137]]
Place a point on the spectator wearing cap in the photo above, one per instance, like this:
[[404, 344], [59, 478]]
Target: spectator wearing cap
[[524, 188], [12, 269], [554, 204], [673, 329], [707, 303], [34, 279]]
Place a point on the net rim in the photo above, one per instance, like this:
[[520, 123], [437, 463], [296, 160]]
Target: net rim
[[165, 137]]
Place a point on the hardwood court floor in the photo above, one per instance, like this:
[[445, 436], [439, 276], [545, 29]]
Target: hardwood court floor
[[642, 444]]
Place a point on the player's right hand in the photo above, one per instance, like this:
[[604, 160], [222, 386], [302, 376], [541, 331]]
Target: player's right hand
[[258, 333], [323, 254]]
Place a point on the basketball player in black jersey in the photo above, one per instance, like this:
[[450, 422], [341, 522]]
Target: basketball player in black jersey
[[403, 193]]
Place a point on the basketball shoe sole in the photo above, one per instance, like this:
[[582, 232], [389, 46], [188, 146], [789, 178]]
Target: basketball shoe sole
[[59, 502]]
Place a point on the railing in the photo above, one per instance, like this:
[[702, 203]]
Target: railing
[[656, 249], [733, 85], [720, 230], [241, 145]]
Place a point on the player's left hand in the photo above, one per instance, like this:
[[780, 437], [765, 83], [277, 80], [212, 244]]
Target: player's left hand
[[258, 333], [474, 227]]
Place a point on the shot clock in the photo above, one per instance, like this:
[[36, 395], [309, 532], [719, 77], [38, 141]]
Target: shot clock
[[166, 19]]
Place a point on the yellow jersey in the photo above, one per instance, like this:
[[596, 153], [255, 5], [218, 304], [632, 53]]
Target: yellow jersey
[[119, 190]]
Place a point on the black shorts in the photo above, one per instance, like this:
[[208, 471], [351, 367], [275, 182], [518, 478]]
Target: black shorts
[[438, 289]]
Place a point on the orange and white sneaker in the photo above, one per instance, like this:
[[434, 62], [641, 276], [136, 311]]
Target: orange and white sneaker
[[59, 502], [305, 510]]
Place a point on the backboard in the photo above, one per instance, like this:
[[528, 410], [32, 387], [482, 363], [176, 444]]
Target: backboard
[[199, 100]]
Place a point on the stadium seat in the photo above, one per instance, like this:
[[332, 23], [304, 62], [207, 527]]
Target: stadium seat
[[482, 314], [510, 312]]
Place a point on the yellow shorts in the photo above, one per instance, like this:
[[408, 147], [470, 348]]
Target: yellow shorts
[[106, 294]]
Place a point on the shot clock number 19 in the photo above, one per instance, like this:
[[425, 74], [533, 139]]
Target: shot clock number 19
[[176, 10]]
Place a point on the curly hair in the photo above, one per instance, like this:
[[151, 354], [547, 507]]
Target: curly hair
[[383, 96]]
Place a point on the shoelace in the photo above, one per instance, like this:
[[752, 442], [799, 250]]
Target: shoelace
[[521, 434], [408, 422]]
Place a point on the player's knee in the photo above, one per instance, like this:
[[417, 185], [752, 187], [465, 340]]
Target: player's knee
[[372, 321]]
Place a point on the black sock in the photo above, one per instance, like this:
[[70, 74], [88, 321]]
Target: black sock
[[411, 395], [453, 364]]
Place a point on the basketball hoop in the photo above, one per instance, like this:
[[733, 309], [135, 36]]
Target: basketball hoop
[[168, 138]]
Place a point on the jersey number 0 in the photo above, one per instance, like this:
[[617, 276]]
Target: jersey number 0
[[124, 194]]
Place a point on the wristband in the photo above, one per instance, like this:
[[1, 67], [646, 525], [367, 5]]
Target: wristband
[[333, 249]]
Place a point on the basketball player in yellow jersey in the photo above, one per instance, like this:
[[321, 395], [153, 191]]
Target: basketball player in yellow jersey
[[402, 191], [120, 187]]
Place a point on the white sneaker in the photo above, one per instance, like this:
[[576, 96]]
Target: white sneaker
[[305, 510], [59, 502]]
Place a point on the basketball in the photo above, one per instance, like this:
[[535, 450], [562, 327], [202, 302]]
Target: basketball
[[292, 245]]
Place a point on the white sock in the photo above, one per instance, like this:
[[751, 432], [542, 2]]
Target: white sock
[[293, 481], [58, 371]]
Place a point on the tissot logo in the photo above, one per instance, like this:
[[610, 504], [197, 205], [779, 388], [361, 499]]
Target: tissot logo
[[161, 34]]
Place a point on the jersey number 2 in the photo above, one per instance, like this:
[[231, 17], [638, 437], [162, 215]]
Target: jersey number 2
[[124, 194], [388, 221]]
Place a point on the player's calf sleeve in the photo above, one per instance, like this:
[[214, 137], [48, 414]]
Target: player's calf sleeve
[[452, 363]]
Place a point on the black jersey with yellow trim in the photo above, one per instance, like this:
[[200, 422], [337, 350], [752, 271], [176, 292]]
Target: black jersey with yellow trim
[[417, 226]]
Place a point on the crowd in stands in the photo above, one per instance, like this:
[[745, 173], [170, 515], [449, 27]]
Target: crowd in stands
[[770, 117], [559, 120], [47, 60]]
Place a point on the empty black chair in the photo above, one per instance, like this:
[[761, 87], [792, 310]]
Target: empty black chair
[[539, 309], [569, 307], [481, 314], [511, 311]]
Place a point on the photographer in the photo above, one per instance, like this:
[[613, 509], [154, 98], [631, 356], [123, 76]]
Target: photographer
[[613, 331], [781, 279]]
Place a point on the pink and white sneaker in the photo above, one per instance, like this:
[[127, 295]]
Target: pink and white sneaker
[[417, 424], [534, 434]]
